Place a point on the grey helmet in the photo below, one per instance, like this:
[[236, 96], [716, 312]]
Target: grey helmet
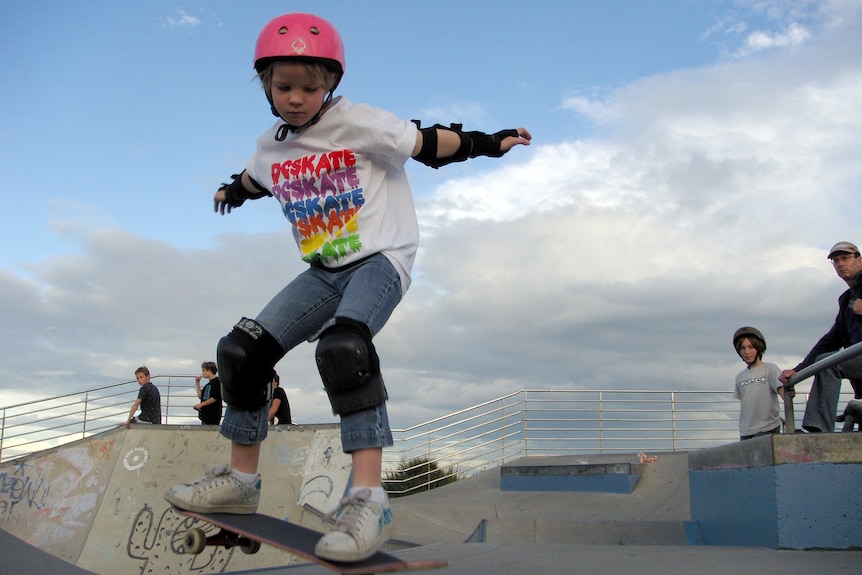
[[748, 331]]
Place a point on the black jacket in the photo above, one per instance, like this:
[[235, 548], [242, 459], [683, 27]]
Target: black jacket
[[846, 331], [211, 414]]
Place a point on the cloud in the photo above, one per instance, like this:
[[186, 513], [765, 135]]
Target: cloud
[[707, 205], [621, 261], [470, 113], [750, 27], [182, 20], [592, 108], [793, 36]]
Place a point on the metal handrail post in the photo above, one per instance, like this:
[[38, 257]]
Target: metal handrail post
[[602, 421], [673, 419], [502, 427], [86, 405], [167, 418], [432, 463], [525, 422]]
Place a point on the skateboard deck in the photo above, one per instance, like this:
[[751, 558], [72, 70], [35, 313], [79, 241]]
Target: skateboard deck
[[249, 531]]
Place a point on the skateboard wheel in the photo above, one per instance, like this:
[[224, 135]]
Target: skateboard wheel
[[249, 546], [195, 541]]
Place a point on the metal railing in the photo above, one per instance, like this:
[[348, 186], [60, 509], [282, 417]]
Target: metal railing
[[38, 425], [536, 422], [527, 422], [545, 422], [557, 422]]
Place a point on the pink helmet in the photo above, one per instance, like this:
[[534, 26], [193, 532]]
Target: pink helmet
[[300, 36]]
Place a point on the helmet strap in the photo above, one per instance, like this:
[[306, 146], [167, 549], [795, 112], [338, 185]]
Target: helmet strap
[[287, 127]]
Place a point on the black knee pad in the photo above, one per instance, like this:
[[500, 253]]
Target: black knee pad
[[349, 367], [245, 358]]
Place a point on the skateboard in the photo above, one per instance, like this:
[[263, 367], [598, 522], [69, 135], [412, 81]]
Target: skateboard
[[248, 532]]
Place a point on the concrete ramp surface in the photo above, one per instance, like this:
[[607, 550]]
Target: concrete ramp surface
[[19, 558], [98, 503], [96, 506], [476, 509]]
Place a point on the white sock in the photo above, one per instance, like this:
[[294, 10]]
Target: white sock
[[378, 494], [247, 479]]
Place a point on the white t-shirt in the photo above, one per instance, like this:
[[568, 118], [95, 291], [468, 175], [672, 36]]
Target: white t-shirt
[[342, 185], [757, 391]]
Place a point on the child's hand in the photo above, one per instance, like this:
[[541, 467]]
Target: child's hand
[[510, 142], [220, 199]]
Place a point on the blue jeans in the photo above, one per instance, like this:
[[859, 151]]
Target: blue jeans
[[822, 406], [367, 292]]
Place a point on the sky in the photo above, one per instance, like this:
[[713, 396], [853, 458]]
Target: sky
[[692, 162]]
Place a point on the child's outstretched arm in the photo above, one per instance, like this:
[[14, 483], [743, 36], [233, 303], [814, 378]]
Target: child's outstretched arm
[[438, 145], [234, 194]]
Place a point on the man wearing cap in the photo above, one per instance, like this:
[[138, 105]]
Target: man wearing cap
[[822, 403]]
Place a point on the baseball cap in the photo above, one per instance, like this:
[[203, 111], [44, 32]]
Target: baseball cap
[[845, 247]]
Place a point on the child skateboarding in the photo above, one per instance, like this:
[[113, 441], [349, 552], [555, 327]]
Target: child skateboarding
[[338, 171]]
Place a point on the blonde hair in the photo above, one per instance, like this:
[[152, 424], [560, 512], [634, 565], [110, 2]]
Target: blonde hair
[[326, 76]]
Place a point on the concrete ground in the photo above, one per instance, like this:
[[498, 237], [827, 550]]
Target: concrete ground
[[534, 559]]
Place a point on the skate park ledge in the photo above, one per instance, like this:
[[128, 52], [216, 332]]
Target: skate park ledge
[[598, 473], [794, 491]]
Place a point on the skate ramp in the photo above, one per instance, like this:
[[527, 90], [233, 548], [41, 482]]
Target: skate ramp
[[98, 503], [96, 507], [19, 558], [475, 509]]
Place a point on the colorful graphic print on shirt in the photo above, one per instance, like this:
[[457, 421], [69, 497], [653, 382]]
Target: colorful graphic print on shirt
[[321, 195]]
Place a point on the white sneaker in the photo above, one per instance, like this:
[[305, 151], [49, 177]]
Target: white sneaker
[[218, 492], [361, 528]]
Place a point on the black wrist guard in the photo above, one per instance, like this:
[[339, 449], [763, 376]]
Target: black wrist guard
[[236, 194], [473, 144]]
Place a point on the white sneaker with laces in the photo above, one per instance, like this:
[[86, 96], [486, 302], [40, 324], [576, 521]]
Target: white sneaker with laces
[[218, 492], [361, 528]]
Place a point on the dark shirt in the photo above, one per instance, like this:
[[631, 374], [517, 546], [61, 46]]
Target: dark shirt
[[211, 414], [151, 403], [845, 331], [282, 416]]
